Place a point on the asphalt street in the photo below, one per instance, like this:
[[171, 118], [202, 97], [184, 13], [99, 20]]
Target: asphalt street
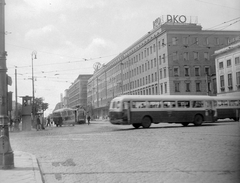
[[164, 153]]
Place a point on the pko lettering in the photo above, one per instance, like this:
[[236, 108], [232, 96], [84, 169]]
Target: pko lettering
[[176, 18]]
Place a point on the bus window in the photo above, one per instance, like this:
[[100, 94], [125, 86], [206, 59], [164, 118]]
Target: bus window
[[142, 104], [134, 105], [197, 104], [208, 104], [183, 104], [154, 104], [168, 104]]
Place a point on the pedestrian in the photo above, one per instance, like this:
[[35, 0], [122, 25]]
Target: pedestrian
[[88, 119], [38, 127], [11, 125]]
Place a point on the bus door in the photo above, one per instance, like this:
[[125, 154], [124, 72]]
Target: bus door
[[126, 111], [209, 111]]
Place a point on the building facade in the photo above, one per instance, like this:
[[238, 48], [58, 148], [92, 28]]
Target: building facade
[[227, 63], [76, 95], [171, 59]]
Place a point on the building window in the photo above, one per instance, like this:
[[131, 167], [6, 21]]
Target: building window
[[176, 71], [155, 62], [185, 41], [238, 79], [222, 83], [237, 62], [185, 56], [160, 73], [206, 41], [217, 41], [186, 70], [198, 87], [197, 71], [196, 41], [229, 63], [187, 87], [159, 45], [163, 44], [220, 65], [150, 49], [161, 89], [206, 55], [164, 72], [177, 86], [207, 71], [165, 87], [155, 76], [230, 81], [174, 41], [163, 58], [175, 56], [160, 60], [154, 47], [195, 55], [151, 63]]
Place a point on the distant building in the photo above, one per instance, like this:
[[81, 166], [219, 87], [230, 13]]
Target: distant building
[[227, 63], [77, 92], [174, 58]]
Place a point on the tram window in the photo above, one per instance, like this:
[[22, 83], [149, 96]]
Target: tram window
[[222, 103], [234, 103], [125, 105]]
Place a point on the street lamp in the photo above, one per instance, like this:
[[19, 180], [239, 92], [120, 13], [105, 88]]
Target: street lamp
[[34, 56]]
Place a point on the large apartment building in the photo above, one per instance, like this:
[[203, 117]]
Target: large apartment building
[[171, 59]]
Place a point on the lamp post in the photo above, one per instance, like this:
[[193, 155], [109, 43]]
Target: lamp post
[[34, 56], [6, 153]]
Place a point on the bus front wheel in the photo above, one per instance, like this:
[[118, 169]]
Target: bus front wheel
[[198, 120], [146, 122], [136, 125]]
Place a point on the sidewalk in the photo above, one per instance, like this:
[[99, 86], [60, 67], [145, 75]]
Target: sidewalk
[[25, 170]]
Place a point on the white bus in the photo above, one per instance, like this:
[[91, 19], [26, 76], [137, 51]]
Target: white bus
[[227, 107], [143, 110]]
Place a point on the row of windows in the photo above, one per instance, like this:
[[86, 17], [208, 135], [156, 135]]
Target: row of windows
[[229, 62], [229, 81]]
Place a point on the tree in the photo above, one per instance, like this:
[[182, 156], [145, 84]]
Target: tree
[[39, 105]]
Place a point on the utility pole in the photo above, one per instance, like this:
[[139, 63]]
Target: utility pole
[[16, 107], [6, 153]]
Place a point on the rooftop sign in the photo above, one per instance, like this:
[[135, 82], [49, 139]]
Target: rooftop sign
[[180, 19]]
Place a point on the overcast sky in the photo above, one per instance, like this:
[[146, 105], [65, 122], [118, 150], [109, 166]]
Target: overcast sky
[[69, 36]]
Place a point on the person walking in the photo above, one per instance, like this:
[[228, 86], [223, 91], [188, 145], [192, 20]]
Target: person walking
[[88, 119], [38, 127]]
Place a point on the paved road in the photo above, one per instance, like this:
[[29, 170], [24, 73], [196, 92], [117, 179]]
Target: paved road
[[164, 153]]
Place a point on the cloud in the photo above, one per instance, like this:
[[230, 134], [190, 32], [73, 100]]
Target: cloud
[[48, 36], [62, 5]]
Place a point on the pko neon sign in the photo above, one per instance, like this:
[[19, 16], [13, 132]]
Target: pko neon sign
[[176, 18], [179, 19]]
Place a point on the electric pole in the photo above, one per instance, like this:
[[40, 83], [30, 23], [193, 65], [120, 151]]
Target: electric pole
[[6, 153]]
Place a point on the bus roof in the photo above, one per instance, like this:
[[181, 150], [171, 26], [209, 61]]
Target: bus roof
[[226, 97], [162, 97]]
